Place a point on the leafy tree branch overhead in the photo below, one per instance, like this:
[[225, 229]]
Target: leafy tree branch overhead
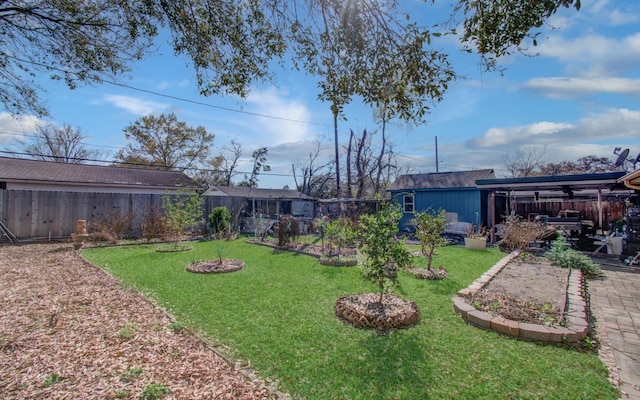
[[495, 28], [233, 44]]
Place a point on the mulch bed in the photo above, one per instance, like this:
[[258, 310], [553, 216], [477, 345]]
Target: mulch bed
[[365, 311], [216, 266], [430, 274], [68, 330]]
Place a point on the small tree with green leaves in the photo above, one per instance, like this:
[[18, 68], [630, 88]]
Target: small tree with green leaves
[[334, 232], [182, 212], [385, 253], [429, 227], [219, 221]]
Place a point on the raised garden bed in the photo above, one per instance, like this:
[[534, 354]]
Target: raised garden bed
[[537, 303]]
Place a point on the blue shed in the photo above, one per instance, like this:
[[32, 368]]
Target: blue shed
[[451, 191]]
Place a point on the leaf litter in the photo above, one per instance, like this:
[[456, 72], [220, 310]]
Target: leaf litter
[[68, 330]]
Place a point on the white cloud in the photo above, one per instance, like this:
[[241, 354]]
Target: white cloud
[[596, 134], [617, 17], [567, 87], [136, 105], [12, 126], [287, 117], [615, 124], [593, 55], [539, 132]]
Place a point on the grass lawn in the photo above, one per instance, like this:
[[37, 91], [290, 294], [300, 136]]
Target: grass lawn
[[278, 315]]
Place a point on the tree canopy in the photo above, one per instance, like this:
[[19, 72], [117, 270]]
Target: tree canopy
[[58, 144], [495, 28], [230, 43], [165, 143]]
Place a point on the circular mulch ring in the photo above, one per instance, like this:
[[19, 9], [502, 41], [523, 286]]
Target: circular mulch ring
[[215, 266], [339, 262], [365, 311], [433, 274]]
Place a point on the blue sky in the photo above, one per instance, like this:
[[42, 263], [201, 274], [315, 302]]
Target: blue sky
[[579, 95]]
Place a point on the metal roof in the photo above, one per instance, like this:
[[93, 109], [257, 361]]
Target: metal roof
[[631, 180], [36, 171], [258, 193], [608, 180], [441, 180]]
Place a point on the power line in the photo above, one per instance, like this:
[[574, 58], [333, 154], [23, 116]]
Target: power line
[[133, 164], [200, 103]]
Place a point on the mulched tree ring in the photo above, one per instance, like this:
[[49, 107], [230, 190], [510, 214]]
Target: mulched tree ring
[[339, 262], [365, 311], [215, 266], [433, 274]]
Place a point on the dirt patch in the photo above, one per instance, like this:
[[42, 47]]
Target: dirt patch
[[530, 290], [68, 330]]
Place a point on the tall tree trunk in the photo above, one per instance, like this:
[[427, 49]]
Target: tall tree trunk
[[349, 182], [379, 166], [335, 138], [360, 167]]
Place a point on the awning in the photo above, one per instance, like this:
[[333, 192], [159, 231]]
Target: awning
[[631, 180]]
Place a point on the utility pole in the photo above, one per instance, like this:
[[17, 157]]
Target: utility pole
[[437, 155]]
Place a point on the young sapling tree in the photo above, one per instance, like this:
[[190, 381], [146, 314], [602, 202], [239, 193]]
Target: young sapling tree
[[182, 213], [429, 226], [385, 252]]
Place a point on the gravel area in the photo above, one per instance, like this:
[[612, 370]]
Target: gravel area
[[68, 330]]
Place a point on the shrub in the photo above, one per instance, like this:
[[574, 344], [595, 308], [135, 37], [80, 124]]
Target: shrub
[[219, 221], [182, 212], [518, 234], [288, 230], [112, 226], [563, 256], [154, 224]]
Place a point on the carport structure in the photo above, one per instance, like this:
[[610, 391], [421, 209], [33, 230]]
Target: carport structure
[[561, 192], [631, 180]]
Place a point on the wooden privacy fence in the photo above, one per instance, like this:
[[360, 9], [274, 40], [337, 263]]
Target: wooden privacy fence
[[53, 214]]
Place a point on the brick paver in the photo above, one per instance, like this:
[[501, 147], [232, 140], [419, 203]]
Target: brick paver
[[615, 302]]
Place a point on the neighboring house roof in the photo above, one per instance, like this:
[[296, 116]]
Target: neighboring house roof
[[240, 191], [441, 180], [35, 172]]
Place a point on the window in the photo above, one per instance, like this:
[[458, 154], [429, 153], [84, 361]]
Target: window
[[407, 203]]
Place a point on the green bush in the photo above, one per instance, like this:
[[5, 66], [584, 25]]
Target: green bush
[[561, 255], [219, 220]]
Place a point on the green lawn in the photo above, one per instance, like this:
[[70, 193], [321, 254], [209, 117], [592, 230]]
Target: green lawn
[[278, 314]]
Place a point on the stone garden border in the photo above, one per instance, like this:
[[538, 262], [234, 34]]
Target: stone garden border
[[576, 311]]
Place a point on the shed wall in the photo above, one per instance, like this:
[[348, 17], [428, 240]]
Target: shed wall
[[466, 202]]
